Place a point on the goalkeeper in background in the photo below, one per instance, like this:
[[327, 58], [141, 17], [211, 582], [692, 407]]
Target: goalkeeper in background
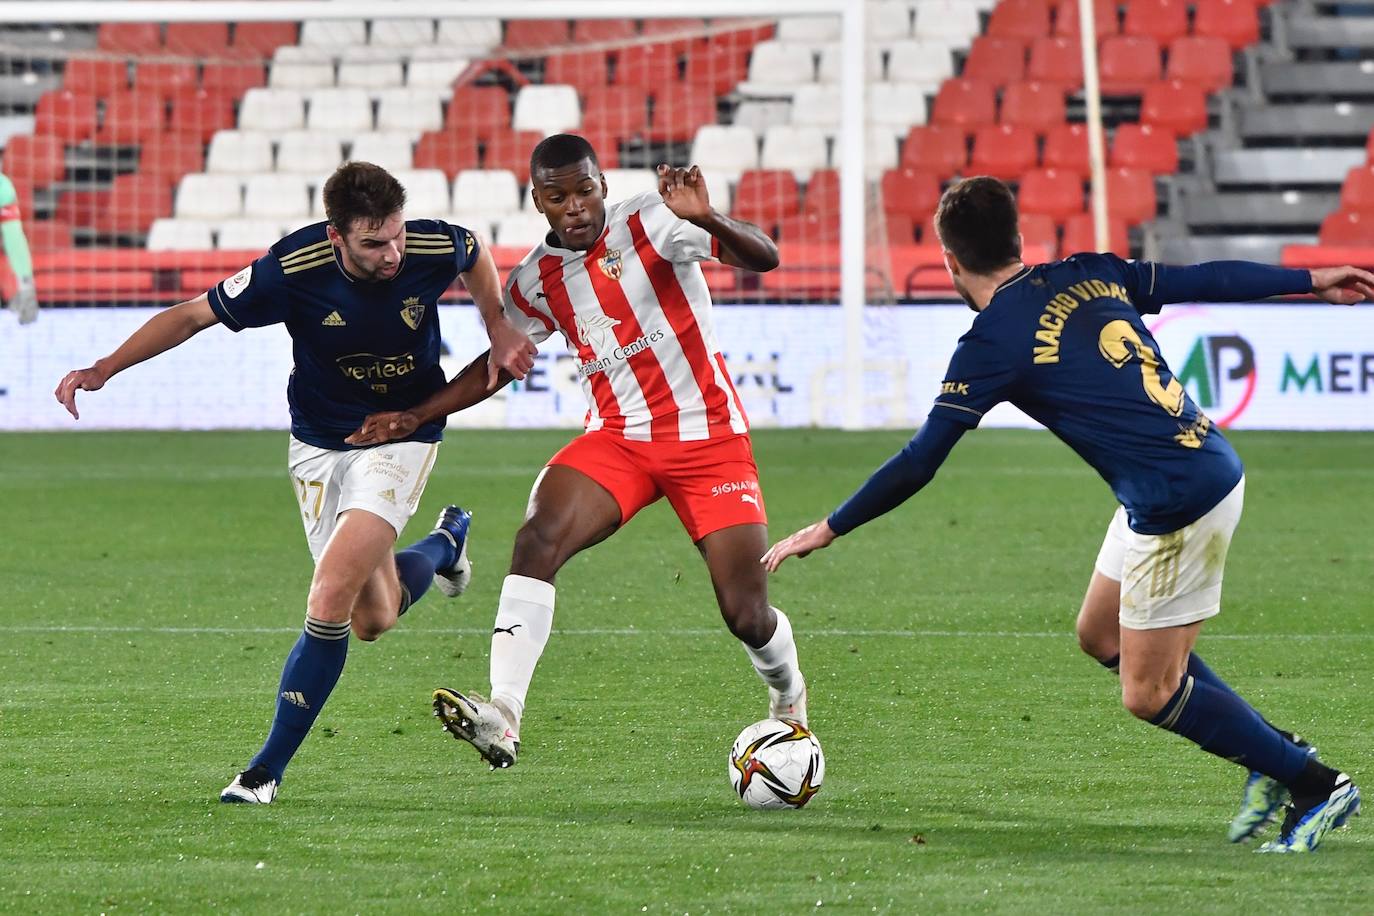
[[25, 302]]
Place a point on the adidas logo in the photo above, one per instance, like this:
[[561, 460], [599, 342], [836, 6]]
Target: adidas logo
[[295, 698], [389, 495], [333, 320]]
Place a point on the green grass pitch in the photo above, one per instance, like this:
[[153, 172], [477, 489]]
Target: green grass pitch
[[977, 762]]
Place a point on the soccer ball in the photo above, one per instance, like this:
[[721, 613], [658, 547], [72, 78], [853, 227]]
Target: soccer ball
[[776, 763]]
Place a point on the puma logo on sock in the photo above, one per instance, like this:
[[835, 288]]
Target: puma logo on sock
[[507, 630]]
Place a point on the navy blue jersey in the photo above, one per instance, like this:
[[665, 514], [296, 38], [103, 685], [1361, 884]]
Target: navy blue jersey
[[1065, 343], [359, 347]]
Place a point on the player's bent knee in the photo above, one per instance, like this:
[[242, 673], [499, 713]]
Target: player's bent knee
[[538, 552], [331, 602], [1144, 701], [749, 618], [368, 632]]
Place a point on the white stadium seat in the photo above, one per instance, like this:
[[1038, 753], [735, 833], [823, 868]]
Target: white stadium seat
[[550, 109], [209, 196], [625, 183], [169, 234], [371, 75], [761, 114], [888, 20], [725, 150], [776, 68], [801, 149], [331, 33], [402, 33], [427, 192], [927, 63], [409, 110], [301, 74], [277, 196], [880, 151], [239, 151], [248, 234], [521, 230], [896, 105], [304, 54], [953, 23], [308, 152], [486, 191], [391, 151], [809, 29], [830, 63], [817, 106], [426, 72], [342, 110], [272, 110], [476, 223], [475, 36]]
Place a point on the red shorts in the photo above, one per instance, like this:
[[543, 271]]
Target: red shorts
[[711, 483]]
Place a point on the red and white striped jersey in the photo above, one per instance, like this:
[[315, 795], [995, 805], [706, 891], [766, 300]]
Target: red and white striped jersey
[[636, 314]]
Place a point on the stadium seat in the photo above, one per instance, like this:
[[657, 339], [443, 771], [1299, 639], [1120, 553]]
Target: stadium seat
[[1162, 20], [1346, 227], [996, 60], [401, 33], [200, 113], [1203, 61], [810, 228], [966, 104], [588, 71], [333, 33], [1003, 151], [1023, 20], [133, 203], [164, 78], [726, 150], [198, 39], [586, 31], [39, 160], [1142, 146], [776, 68], [801, 149], [1058, 61], [719, 68], [510, 150], [1128, 64], [434, 68], [910, 192], [1105, 21], [276, 196], [233, 78], [171, 155], [832, 55], [760, 114], [408, 110], [476, 223], [622, 184], [812, 30], [678, 110], [896, 106], [1369, 147], [450, 151], [427, 191], [67, 115], [1066, 149], [344, 110], [99, 78], [483, 110], [170, 234], [293, 72], [951, 24], [899, 229], [272, 110], [818, 105], [521, 230], [1175, 106], [239, 152], [1052, 192], [261, 39], [1079, 235], [392, 151], [925, 63], [1039, 229], [682, 33], [880, 152], [1234, 21], [469, 37], [247, 234], [79, 208], [822, 192], [648, 66], [130, 37], [888, 20], [131, 117], [619, 111], [536, 34], [1357, 193], [304, 152], [764, 196], [486, 191], [551, 109], [372, 75], [938, 149], [1038, 106], [1131, 195]]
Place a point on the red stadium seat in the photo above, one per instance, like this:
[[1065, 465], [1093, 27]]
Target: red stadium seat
[[766, 196], [536, 34], [585, 31], [65, 114], [719, 68], [200, 112], [165, 78], [1131, 195], [910, 192], [586, 70], [233, 77], [679, 110], [1003, 151], [1346, 227], [130, 117], [607, 146], [261, 39], [1205, 62], [812, 228], [1039, 229], [198, 39], [899, 229], [48, 234], [1358, 191], [1162, 20], [1175, 106], [96, 77], [966, 104], [130, 37], [1128, 64], [1079, 235], [1056, 194], [171, 156], [1141, 146], [741, 38], [1234, 21], [134, 202], [648, 66], [621, 111], [690, 32], [452, 150], [1066, 148], [995, 60], [484, 110], [1105, 20], [38, 160], [942, 151], [510, 149], [1058, 61], [1024, 20], [1039, 106], [1369, 147], [822, 192], [78, 208]]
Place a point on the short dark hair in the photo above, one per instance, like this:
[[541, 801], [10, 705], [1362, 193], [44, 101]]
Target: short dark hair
[[361, 191], [559, 150], [977, 224]]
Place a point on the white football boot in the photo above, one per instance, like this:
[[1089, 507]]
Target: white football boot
[[254, 786], [791, 706], [480, 724]]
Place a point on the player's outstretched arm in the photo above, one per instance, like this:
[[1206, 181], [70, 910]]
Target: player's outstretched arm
[[742, 244], [511, 349], [165, 330], [1246, 281], [468, 387]]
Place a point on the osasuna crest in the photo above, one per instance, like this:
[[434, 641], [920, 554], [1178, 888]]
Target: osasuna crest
[[412, 311], [611, 263], [595, 329]]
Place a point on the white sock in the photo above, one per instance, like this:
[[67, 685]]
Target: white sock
[[523, 620], [776, 660]]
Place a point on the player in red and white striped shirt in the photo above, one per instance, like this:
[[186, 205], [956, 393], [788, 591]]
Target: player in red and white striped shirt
[[623, 285]]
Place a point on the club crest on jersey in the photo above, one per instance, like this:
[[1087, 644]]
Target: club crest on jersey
[[411, 312], [611, 263]]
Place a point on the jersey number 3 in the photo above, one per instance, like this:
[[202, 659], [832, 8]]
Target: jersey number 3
[[1120, 344]]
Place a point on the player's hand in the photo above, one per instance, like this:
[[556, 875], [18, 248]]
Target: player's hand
[[684, 191], [1343, 285], [88, 379], [384, 427], [25, 302], [511, 350], [812, 537]]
